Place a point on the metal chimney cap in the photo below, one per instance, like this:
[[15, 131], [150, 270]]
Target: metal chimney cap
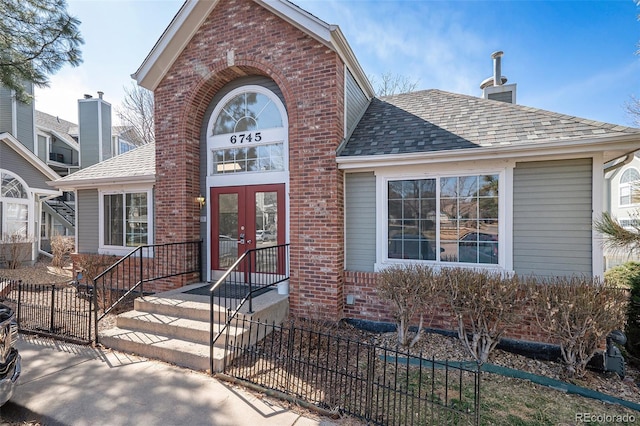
[[497, 54], [88, 96], [100, 94]]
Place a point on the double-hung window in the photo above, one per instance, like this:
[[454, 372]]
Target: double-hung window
[[444, 219], [126, 219]]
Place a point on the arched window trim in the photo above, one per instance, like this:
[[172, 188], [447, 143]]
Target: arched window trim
[[629, 190], [5, 203], [267, 137]]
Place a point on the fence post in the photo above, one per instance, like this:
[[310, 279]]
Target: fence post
[[371, 362], [249, 279], [141, 273], [53, 306], [94, 300], [200, 261], [19, 302]]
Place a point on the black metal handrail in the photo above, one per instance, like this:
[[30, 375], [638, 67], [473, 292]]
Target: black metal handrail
[[144, 264], [255, 270]]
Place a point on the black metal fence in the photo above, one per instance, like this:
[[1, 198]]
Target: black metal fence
[[380, 385], [54, 310], [145, 264]]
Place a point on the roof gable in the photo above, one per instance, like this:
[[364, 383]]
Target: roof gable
[[430, 121], [193, 14]]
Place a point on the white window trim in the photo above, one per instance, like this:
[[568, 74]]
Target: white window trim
[[505, 222], [627, 185], [123, 250], [29, 202]]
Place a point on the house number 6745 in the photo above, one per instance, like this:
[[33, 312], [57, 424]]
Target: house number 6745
[[246, 138]]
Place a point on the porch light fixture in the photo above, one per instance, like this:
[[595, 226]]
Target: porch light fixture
[[200, 199]]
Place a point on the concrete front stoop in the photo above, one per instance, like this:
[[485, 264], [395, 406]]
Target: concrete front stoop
[[174, 327]]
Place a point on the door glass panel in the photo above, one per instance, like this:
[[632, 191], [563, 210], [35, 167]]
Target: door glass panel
[[227, 229], [266, 219], [266, 231]]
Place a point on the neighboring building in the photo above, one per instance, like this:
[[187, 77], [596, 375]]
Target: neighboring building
[[38, 148], [270, 116], [623, 197]]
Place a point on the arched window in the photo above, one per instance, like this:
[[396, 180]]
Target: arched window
[[14, 207], [247, 132], [629, 187]]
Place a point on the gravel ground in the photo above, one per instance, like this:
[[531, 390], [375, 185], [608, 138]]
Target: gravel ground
[[430, 345]]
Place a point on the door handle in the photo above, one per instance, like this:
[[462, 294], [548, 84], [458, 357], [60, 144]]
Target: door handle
[[241, 239]]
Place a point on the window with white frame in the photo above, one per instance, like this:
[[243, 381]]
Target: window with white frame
[[14, 207], [629, 187], [444, 219], [247, 132], [126, 219]]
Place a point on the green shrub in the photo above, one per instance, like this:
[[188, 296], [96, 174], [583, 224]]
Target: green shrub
[[628, 276]]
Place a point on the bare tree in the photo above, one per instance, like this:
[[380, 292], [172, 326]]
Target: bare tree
[[37, 37], [393, 84], [633, 109], [137, 113]]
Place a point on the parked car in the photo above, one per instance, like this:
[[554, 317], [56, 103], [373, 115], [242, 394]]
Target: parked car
[[10, 361], [479, 247]]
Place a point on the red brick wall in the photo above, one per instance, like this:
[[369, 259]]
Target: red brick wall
[[368, 306], [311, 78]]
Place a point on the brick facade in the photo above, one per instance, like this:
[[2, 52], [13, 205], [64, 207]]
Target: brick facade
[[241, 38]]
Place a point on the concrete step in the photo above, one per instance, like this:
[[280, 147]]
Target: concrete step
[[173, 327], [157, 346], [188, 309]]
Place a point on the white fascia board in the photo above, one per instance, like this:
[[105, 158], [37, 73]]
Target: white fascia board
[[329, 35], [172, 42], [349, 58], [28, 155], [72, 144], [70, 185], [583, 146]]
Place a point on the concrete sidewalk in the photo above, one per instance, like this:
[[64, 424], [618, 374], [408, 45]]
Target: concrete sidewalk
[[66, 384]]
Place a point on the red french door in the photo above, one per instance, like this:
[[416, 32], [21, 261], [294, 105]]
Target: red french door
[[244, 218]]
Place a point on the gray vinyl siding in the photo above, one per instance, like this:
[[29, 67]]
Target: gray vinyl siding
[[89, 148], [360, 221], [42, 148], [552, 218], [356, 103], [6, 111], [107, 150], [88, 220], [15, 163], [25, 124]]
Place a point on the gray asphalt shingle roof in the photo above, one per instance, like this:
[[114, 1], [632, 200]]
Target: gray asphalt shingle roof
[[434, 120], [135, 163], [64, 128]]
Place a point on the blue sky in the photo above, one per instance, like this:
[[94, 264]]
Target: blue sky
[[572, 57]]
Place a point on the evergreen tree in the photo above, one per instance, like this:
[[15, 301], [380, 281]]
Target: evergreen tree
[[37, 37]]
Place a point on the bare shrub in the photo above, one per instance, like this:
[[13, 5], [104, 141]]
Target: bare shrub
[[16, 249], [413, 290], [61, 248], [91, 265], [578, 313], [486, 305]]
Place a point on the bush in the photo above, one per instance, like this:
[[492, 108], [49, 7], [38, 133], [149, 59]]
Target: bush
[[578, 313], [628, 276], [413, 290], [16, 249], [61, 248], [486, 305]]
